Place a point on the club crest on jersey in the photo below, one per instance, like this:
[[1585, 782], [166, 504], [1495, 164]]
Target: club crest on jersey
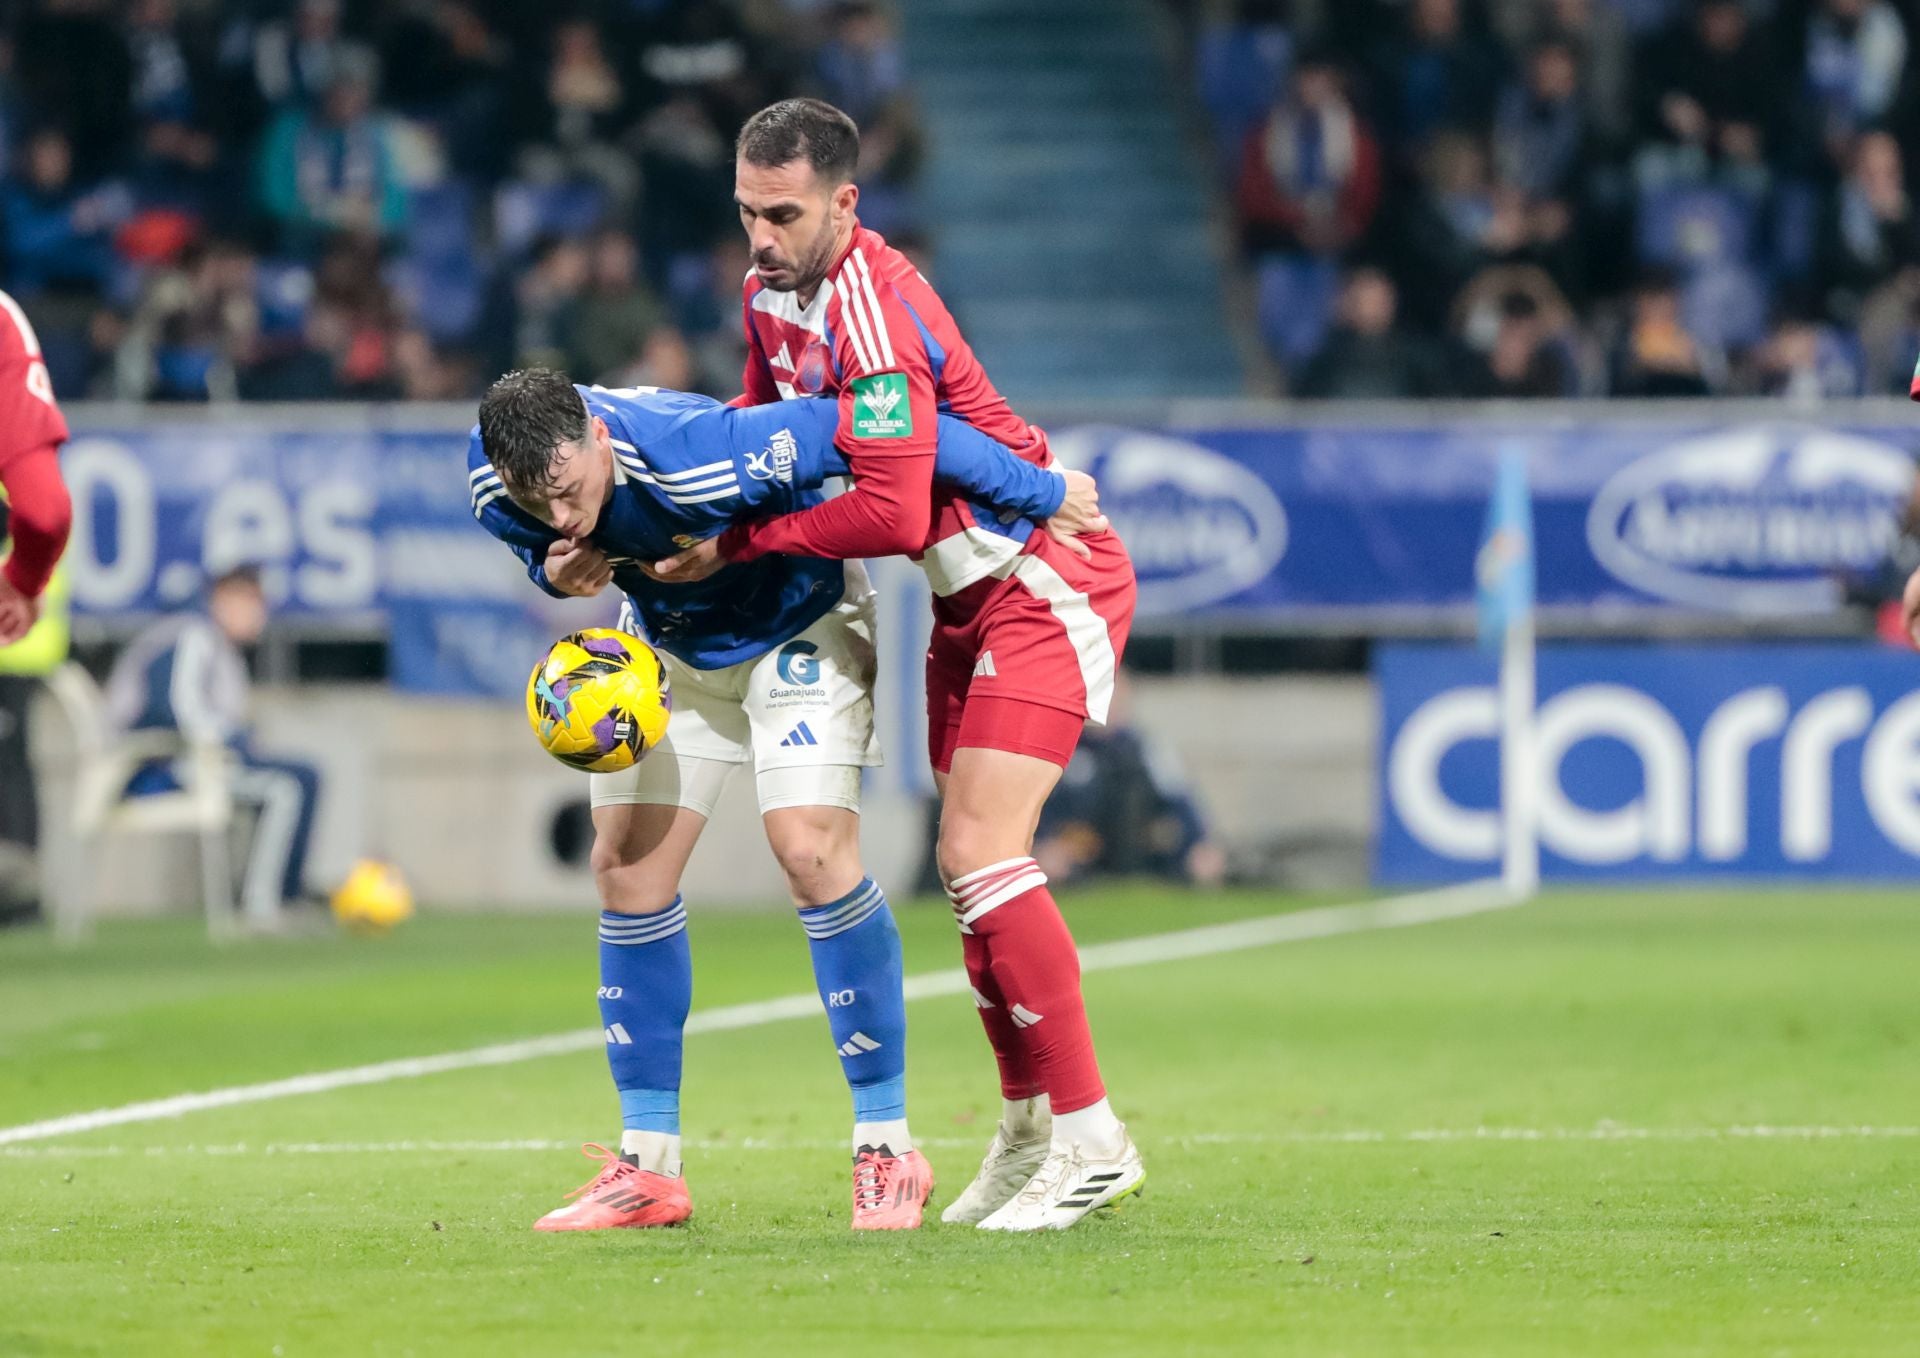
[[775, 461], [881, 409], [810, 375]]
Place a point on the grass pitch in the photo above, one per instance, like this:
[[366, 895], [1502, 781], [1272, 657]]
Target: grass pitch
[[1600, 1124]]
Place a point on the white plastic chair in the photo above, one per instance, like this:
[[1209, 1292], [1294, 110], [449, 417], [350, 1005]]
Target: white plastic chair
[[104, 761]]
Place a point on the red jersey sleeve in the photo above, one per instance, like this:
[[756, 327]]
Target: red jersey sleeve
[[28, 416], [39, 514], [888, 430], [39, 517]]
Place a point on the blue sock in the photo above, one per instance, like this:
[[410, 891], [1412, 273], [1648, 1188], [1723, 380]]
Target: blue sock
[[646, 989], [856, 964]]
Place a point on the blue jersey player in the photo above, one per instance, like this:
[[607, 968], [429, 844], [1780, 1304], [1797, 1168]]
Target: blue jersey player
[[771, 661]]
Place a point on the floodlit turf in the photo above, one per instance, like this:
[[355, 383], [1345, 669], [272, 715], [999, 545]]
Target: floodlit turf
[[1312, 1116]]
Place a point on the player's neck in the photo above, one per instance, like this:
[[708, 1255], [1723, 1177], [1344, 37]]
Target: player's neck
[[842, 242]]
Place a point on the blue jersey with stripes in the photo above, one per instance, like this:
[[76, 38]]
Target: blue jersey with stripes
[[686, 467]]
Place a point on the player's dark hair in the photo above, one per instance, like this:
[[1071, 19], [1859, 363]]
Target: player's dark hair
[[524, 417], [802, 129]]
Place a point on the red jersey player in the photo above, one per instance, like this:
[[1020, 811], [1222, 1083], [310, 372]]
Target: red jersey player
[[38, 512], [1027, 633]]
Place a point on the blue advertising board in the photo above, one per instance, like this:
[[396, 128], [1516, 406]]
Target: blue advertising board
[[1659, 761], [355, 528], [365, 526], [1755, 519]]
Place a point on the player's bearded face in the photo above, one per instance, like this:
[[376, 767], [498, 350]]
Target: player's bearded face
[[792, 220]]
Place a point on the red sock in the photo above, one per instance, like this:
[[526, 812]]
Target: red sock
[[1033, 962], [1018, 1079]]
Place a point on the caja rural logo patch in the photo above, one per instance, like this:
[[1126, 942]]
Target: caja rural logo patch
[[881, 409]]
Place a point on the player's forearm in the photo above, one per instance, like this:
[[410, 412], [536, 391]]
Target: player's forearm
[[40, 516], [986, 470], [537, 572], [887, 513]]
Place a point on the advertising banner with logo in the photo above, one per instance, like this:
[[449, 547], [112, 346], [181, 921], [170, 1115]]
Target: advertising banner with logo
[[1659, 762], [358, 530], [361, 526], [1646, 514]]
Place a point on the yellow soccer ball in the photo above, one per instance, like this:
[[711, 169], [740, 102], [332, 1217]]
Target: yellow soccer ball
[[373, 899], [598, 700]]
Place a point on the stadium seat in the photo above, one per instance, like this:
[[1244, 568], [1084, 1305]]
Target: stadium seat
[[1725, 307], [440, 222], [1296, 296], [1693, 226], [443, 296], [1793, 234], [523, 212], [102, 767], [1241, 70], [283, 289]]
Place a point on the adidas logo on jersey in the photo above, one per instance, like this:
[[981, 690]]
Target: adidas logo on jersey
[[859, 1045], [980, 1001], [1023, 1017], [800, 735], [617, 1036], [984, 666]]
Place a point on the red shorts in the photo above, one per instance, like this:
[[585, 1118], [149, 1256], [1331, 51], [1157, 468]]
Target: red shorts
[[1021, 660]]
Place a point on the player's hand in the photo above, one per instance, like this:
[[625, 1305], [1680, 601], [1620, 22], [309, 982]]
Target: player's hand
[[1910, 607], [1078, 515], [577, 568], [18, 613], [696, 563]]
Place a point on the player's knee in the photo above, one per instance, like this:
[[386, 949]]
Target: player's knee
[[628, 885], [969, 843], [818, 851]]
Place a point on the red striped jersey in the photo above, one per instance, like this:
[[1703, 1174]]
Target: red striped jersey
[[876, 337], [28, 416]]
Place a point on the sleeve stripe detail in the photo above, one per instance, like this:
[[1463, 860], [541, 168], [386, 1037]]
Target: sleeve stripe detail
[[690, 473], [683, 492], [638, 464], [483, 501], [878, 318], [849, 296], [484, 469], [687, 487]]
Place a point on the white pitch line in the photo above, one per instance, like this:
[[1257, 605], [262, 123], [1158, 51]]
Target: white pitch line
[[1425, 907], [1603, 1133]]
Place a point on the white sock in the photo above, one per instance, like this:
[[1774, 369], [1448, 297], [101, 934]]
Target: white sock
[[1093, 1128], [891, 1133], [1027, 1119], [658, 1152]]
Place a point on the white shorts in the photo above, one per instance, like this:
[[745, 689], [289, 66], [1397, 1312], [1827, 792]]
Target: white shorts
[[802, 713]]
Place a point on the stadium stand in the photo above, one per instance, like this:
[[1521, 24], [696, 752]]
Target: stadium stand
[[321, 199], [1569, 197]]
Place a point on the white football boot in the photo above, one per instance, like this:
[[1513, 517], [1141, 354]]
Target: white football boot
[[1070, 1183], [1005, 1171]]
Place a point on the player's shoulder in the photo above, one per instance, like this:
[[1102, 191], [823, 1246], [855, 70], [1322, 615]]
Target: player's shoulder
[[17, 339]]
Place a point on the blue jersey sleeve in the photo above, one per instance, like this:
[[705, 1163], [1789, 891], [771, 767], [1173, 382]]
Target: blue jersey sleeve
[[526, 536], [968, 460]]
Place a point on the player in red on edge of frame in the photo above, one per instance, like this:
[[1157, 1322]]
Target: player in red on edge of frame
[[38, 514], [1027, 631]]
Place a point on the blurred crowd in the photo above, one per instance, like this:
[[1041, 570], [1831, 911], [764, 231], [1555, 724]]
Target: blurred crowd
[[1520, 198], [317, 199]]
